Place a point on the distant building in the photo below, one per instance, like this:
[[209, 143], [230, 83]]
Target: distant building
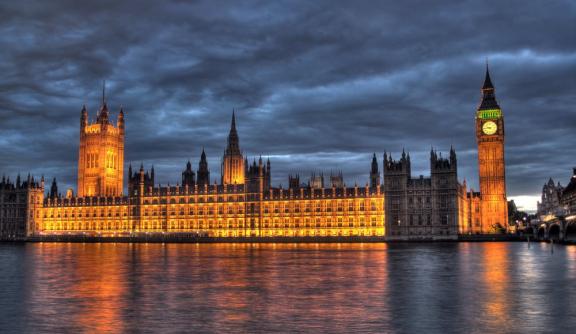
[[316, 181], [557, 202], [551, 198], [337, 180], [568, 199]]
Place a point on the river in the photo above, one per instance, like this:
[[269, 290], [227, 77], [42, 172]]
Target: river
[[250, 288]]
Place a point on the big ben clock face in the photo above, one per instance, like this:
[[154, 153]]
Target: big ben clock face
[[489, 128]]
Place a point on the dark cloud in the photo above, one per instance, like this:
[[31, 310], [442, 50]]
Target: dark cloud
[[316, 84]]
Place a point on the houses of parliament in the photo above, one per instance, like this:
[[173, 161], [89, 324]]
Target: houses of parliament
[[244, 203]]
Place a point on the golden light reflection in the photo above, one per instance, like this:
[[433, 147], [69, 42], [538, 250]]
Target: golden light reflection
[[83, 282], [496, 267]]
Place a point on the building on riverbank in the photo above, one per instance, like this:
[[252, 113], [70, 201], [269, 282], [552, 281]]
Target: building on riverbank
[[568, 198], [556, 200], [423, 206], [246, 204], [551, 199], [21, 207]]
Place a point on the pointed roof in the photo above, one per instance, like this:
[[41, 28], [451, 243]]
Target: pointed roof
[[203, 163], [488, 100], [104, 106], [374, 164], [233, 147], [103, 113], [487, 80], [571, 187]]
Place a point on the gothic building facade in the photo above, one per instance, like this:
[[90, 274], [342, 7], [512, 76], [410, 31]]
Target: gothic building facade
[[423, 206], [243, 204], [21, 205], [569, 196], [551, 199], [558, 201], [101, 154], [491, 164], [246, 203]]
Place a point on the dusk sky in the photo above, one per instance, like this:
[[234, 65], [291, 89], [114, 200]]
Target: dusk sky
[[316, 85]]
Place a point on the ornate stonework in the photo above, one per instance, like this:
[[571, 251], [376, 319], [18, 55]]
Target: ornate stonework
[[491, 164], [101, 154]]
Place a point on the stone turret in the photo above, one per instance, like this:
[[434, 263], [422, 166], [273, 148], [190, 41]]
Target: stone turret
[[203, 174], [374, 173]]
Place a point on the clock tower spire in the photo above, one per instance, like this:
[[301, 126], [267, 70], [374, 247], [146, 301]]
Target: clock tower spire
[[491, 164]]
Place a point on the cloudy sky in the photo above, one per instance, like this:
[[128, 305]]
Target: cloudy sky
[[317, 85]]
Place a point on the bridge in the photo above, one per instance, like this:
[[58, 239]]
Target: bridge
[[554, 228]]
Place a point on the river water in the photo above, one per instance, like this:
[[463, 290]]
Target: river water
[[251, 288]]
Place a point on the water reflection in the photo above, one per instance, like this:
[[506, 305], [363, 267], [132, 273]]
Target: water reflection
[[496, 281], [78, 287], [490, 287]]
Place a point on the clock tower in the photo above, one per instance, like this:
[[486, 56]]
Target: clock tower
[[491, 167]]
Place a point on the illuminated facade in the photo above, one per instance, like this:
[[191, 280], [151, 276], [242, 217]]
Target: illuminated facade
[[245, 203], [222, 211], [101, 154], [491, 164], [233, 164]]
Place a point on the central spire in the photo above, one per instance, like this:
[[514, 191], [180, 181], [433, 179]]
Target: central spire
[[103, 114], [232, 166], [104, 106], [103, 92], [233, 147]]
